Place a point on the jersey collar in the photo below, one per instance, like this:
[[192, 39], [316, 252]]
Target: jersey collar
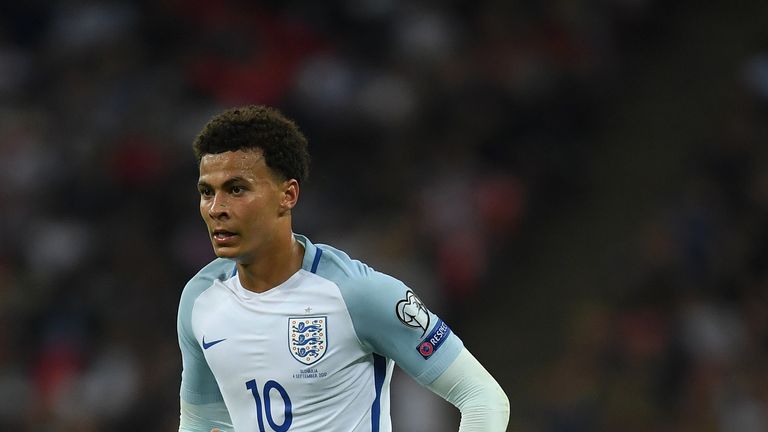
[[311, 253]]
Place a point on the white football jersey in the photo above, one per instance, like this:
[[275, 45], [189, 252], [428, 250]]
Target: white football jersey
[[315, 353]]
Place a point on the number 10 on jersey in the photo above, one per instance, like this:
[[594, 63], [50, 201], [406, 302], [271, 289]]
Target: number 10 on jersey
[[265, 409]]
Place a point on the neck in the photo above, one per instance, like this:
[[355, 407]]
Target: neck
[[268, 270]]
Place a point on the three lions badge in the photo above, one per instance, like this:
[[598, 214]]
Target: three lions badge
[[308, 338]]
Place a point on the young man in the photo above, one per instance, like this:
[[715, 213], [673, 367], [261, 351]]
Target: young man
[[280, 334]]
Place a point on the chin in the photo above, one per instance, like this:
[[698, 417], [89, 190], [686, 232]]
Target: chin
[[225, 252]]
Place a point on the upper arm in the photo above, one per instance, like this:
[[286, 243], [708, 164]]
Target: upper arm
[[198, 384], [391, 320]]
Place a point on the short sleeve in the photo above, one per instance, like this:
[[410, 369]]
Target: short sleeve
[[391, 320], [198, 385]]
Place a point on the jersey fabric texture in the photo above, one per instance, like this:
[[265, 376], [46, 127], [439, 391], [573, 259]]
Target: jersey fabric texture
[[315, 353]]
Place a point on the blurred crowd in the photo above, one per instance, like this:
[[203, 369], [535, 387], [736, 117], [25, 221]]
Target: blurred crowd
[[682, 343], [449, 140]]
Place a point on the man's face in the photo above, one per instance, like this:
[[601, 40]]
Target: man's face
[[242, 202]]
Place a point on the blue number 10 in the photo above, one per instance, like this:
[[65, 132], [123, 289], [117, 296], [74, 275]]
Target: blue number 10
[[270, 385]]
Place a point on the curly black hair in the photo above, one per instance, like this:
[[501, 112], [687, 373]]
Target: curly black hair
[[257, 127]]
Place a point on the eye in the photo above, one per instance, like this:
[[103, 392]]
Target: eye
[[237, 190], [205, 192]]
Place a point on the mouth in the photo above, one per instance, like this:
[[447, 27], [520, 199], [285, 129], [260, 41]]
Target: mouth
[[221, 235]]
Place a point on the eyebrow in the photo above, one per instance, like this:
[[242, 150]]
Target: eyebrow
[[229, 182]]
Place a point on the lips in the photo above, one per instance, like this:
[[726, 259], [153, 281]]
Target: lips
[[222, 235]]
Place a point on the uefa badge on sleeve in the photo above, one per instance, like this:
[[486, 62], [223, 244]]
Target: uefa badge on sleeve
[[434, 340], [307, 338]]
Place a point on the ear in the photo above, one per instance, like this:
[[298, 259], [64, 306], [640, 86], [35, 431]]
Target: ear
[[290, 196]]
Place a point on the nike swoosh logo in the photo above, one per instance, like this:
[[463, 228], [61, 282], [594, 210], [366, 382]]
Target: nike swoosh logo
[[207, 345]]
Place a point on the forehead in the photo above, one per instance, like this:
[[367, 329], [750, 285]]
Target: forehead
[[243, 163]]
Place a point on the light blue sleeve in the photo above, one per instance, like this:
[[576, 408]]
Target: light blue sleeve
[[390, 320], [198, 385], [204, 417]]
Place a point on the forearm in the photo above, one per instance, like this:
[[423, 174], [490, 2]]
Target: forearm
[[466, 384], [204, 417]]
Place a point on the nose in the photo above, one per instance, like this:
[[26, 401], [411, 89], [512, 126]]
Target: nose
[[218, 207]]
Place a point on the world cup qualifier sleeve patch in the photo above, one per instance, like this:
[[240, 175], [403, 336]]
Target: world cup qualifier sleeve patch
[[412, 312], [434, 340]]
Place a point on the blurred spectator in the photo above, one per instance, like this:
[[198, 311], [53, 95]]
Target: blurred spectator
[[580, 188]]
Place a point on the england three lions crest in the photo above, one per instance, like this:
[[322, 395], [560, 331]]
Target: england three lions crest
[[307, 338]]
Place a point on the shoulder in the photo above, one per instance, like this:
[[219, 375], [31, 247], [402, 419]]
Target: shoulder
[[337, 266], [218, 269], [335, 263], [363, 288]]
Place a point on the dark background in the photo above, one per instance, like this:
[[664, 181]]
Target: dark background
[[579, 188]]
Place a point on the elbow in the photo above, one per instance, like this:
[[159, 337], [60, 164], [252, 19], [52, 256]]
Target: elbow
[[499, 408], [488, 410], [500, 401], [503, 403], [490, 399]]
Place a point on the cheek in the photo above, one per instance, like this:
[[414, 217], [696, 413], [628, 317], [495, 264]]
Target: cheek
[[204, 211], [257, 206]]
